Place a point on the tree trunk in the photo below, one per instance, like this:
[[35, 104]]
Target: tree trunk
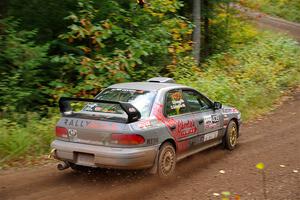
[[3, 7], [197, 29], [206, 44]]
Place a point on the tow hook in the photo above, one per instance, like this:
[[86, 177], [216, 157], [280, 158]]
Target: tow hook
[[63, 166], [52, 153]]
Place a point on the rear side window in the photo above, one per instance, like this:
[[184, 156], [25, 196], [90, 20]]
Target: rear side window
[[174, 103]]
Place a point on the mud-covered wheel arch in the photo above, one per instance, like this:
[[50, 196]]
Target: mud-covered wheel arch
[[154, 170], [171, 141]]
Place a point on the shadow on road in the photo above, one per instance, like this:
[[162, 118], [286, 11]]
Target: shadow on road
[[137, 184]]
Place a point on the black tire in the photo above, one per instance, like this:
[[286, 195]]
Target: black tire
[[231, 135], [166, 160]]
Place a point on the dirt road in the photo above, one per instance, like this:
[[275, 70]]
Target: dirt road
[[269, 22], [273, 140]]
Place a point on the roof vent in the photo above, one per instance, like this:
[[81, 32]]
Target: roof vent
[[161, 80]]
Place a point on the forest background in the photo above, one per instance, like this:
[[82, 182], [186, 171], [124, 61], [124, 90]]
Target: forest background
[[50, 49]]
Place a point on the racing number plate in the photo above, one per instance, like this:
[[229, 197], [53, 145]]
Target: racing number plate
[[210, 136]]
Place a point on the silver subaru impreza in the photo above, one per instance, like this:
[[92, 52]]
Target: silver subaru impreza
[[139, 125]]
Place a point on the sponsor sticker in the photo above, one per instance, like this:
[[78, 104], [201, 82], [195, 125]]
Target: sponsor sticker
[[152, 141], [98, 108], [177, 104], [210, 136], [132, 110], [211, 121], [145, 124], [76, 122]]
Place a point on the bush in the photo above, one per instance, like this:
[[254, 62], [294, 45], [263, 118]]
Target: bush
[[251, 77], [30, 138], [21, 68], [118, 47]]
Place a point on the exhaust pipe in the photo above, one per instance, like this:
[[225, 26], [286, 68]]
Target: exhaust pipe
[[62, 166]]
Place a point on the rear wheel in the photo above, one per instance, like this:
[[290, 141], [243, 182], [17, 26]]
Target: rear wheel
[[166, 160], [230, 138]]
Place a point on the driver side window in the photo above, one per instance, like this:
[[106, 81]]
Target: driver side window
[[195, 101]]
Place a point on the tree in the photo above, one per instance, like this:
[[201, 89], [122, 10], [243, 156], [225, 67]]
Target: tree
[[21, 68], [197, 30], [3, 8], [120, 43], [44, 16], [206, 44]]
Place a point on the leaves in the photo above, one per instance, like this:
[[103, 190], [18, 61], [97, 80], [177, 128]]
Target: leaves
[[21, 68], [241, 75], [260, 166], [120, 47]]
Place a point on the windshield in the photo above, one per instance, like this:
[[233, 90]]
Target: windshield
[[140, 99]]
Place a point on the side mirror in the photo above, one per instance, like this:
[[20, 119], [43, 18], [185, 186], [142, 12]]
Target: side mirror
[[217, 105]]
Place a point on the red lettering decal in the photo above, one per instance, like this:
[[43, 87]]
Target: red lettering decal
[[183, 128]]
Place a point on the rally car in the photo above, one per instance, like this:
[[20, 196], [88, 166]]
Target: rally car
[[137, 125]]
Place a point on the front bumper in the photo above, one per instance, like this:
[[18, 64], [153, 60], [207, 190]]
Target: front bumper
[[101, 156]]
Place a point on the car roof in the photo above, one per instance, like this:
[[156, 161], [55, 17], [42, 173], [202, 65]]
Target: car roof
[[149, 86]]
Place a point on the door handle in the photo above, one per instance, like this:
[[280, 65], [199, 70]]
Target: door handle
[[173, 127], [200, 121]]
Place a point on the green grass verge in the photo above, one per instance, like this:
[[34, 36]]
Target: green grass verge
[[287, 9], [21, 140]]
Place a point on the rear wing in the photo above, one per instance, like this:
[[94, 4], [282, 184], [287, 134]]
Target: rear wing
[[132, 113]]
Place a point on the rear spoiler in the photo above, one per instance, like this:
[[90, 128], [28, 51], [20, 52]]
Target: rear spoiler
[[130, 110]]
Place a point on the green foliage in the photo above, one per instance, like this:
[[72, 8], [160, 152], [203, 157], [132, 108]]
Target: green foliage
[[287, 9], [106, 42], [250, 77], [228, 31], [25, 135], [119, 47], [45, 16], [21, 67]]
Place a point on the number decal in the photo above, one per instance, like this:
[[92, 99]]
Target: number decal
[[210, 136]]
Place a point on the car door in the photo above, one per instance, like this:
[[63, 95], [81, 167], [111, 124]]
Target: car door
[[208, 120], [183, 122]]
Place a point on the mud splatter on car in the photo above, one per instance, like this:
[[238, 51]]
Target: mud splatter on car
[[138, 125]]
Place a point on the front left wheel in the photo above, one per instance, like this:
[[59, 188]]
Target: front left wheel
[[231, 135], [166, 160]]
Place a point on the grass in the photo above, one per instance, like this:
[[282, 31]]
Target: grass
[[19, 140], [251, 76], [287, 9]]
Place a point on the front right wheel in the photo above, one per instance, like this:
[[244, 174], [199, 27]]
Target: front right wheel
[[166, 160], [230, 138]]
